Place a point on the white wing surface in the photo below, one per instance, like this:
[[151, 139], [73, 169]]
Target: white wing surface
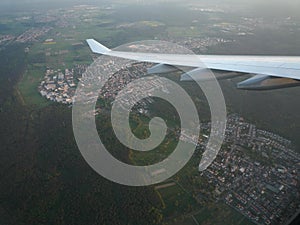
[[269, 72]]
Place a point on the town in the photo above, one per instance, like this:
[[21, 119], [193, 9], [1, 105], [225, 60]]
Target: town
[[59, 86], [257, 173]]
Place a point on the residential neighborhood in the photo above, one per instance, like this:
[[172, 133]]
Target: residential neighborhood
[[256, 173]]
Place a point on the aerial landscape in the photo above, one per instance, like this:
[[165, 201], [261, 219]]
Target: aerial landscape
[[254, 178]]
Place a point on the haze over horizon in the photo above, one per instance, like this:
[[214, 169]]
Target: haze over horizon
[[288, 5]]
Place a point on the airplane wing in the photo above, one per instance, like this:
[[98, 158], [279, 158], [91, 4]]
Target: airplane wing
[[268, 72]]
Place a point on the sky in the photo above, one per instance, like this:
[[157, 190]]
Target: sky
[[267, 2], [271, 7]]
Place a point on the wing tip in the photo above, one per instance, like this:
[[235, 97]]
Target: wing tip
[[96, 47]]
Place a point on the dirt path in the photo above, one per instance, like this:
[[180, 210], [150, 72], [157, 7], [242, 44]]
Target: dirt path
[[165, 186], [20, 96]]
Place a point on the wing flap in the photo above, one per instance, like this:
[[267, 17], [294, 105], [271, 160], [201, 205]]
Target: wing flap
[[162, 68], [258, 68], [264, 82]]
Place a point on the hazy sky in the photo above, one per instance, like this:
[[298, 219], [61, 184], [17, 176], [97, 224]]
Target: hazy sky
[[270, 2], [271, 7]]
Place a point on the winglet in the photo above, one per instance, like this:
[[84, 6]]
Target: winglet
[[96, 47]]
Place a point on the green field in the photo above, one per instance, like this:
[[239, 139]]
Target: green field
[[221, 214], [177, 202], [28, 86]]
